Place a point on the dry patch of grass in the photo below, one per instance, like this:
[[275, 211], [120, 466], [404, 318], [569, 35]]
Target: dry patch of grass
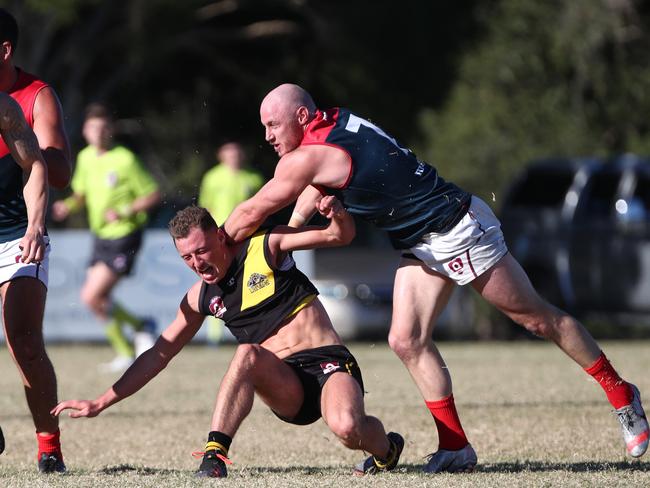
[[533, 416]]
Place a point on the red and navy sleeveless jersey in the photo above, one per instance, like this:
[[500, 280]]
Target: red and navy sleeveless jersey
[[388, 185], [13, 212], [255, 297]]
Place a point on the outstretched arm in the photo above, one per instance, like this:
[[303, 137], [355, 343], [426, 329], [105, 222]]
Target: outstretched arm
[[339, 232], [187, 322], [22, 143], [305, 206], [52, 139], [292, 174]]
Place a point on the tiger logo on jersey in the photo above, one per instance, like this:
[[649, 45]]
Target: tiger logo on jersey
[[257, 281]]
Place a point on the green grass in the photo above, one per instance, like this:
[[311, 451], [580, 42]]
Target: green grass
[[533, 416]]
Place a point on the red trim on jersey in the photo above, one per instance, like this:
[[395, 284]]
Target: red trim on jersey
[[317, 132], [471, 266], [24, 91]]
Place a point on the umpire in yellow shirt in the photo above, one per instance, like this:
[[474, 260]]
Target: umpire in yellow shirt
[[117, 193], [223, 187]]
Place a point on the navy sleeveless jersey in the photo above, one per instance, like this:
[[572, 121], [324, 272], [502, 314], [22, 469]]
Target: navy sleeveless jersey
[[388, 185], [13, 211]]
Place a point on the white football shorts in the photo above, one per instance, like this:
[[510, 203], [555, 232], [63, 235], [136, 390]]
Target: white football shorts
[[470, 248], [11, 267]]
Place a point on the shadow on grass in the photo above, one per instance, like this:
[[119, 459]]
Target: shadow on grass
[[515, 467], [139, 470], [585, 467]]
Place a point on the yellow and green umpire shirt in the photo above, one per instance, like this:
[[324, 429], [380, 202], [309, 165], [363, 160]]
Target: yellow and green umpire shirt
[[254, 297], [222, 189], [113, 180]]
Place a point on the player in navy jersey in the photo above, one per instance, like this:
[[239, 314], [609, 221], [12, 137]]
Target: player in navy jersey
[[23, 285], [447, 237]]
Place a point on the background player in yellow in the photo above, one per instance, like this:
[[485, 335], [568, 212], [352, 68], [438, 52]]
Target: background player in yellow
[[117, 193], [223, 187]]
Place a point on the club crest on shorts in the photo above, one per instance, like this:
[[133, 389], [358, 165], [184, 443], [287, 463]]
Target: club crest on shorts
[[330, 367], [120, 263], [257, 281], [217, 307], [456, 265]]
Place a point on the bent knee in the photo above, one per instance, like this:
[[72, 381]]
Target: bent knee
[[27, 348], [90, 299], [348, 429], [247, 356], [541, 326], [405, 346]]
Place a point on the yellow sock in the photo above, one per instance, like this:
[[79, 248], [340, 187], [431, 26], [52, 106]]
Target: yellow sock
[[118, 340]]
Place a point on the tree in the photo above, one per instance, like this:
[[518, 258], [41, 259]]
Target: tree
[[548, 78]]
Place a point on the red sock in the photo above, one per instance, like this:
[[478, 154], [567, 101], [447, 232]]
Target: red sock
[[618, 391], [451, 436], [49, 443]]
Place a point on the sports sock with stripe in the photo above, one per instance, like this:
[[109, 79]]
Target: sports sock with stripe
[[219, 441]]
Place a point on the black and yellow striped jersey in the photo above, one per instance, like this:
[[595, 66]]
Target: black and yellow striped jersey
[[254, 297]]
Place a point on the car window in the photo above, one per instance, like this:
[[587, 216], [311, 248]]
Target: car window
[[542, 187], [599, 196], [638, 208]]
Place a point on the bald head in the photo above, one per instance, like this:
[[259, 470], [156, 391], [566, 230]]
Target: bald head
[[288, 98], [285, 113]]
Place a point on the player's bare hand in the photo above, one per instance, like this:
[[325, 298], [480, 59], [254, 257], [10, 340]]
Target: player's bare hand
[[330, 207], [80, 408], [111, 215], [60, 211], [33, 246]]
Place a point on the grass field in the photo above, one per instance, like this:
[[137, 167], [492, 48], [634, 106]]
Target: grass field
[[534, 418]]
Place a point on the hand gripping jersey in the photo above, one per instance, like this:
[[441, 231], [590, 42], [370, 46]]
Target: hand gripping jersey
[[387, 185], [13, 212], [254, 298]]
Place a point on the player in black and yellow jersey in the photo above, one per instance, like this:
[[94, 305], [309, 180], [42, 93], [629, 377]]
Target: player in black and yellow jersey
[[289, 353]]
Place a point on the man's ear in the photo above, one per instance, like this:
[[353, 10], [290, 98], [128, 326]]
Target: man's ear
[[6, 49], [303, 115], [222, 234]]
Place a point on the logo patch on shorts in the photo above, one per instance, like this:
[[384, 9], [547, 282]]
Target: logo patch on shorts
[[119, 263], [456, 265], [217, 307], [330, 367], [257, 281]]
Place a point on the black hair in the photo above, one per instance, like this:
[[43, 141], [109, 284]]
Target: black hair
[[8, 29]]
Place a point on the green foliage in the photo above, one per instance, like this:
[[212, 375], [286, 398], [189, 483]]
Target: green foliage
[[547, 78], [478, 87]]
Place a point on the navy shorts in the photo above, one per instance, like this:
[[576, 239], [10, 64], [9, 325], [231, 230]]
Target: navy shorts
[[117, 254], [314, 367]]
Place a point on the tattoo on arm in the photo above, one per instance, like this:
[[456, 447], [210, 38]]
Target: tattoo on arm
[[18, 135]]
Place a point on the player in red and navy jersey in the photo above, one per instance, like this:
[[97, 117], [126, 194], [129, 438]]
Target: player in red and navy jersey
[[23, 285], [447, 237]]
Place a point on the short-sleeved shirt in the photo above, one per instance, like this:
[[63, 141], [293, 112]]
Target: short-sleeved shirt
[[112, 180], [222, 189]]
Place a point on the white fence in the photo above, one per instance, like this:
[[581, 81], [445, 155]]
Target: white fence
[[155, 288]]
